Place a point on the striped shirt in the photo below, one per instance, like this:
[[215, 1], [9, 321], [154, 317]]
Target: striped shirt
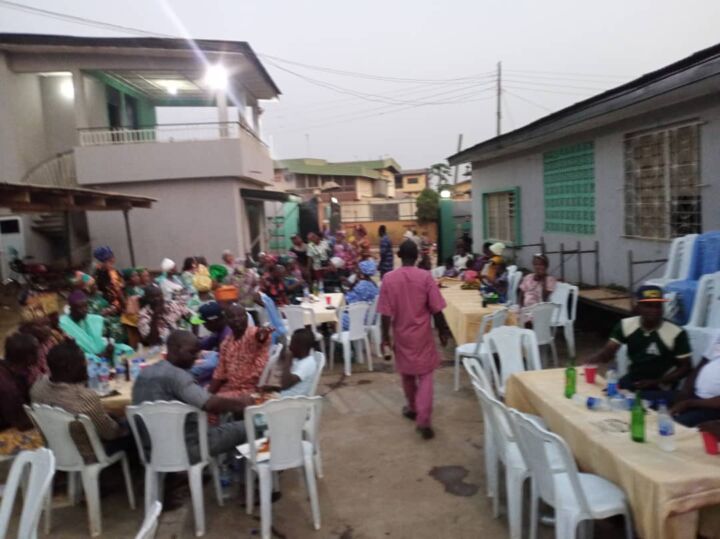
[[76, 399]]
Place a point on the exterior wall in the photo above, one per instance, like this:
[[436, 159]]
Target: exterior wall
[[120, 163], [191, 217], [363, 188], [526, 172], [413, 188], [96, 103], [59, 112], [22, 136]]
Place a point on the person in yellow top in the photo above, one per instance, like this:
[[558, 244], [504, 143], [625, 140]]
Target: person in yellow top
[[495, 267]]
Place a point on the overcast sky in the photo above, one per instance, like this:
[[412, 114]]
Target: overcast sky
[[554, 53]]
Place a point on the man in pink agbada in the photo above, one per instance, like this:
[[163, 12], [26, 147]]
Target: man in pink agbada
[[408, 298]]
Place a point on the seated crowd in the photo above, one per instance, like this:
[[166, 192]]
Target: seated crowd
[[216, 350]]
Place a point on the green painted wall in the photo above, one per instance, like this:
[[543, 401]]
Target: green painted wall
[[446, 232], [146, 113], [569, 189]]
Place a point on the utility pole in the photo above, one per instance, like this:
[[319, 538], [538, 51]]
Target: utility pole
[[499, 101], [455, 179]]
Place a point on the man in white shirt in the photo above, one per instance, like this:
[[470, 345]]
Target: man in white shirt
[[298, 368], [699, 400]]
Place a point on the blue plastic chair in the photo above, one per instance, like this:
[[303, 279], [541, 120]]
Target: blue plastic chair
[[705, 259]]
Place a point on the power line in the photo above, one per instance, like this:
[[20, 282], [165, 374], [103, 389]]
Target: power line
[[389, 108], [546, 90], [361, 95], [565, 73], [79, 20], [562, 86], [528, 101], [357, 74]]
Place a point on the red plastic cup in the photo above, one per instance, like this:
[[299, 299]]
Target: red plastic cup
[[590, 372], [711, 443], [328, 300]]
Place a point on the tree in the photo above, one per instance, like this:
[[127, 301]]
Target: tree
[[441, 173], [428, 206]]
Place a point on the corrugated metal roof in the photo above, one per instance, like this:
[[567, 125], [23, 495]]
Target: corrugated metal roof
[[321, 167], [693, 69]]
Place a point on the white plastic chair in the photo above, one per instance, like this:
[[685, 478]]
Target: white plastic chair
[[704, 321], [55, 423], [356, 334], [542, 316], [566, 295], [576, 497], [36, 486], [164, 423], [295, 317], [678, 264], [479, 379], [438, 272], [150, 524], [517, 350], [286, 420], [275, 352], [312, 427], [514, 278], [508, 453], [473, 349], [373, 326]]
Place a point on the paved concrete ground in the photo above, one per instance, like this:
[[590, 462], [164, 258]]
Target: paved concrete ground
[[381, 480]]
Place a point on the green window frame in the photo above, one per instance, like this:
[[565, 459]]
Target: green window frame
[[501, 215], [569, 189]]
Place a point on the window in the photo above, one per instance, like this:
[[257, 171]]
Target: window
[[413, 181], [569, 189], [398, 182], [385, 212], [662, 183], [501, 215]]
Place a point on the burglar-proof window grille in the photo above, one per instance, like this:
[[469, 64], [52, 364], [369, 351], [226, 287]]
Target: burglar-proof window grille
[[501, 216], [662, 182]]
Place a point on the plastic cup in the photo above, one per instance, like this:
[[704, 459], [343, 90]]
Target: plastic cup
[[590, 372], [328, 300], [711, 443]]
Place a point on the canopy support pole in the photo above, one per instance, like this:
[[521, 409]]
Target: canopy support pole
[[128, 233]]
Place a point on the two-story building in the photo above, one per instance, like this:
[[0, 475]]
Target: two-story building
[[411, 182], [82, 111], [631, 168]]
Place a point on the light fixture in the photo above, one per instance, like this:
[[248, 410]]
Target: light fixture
[[216, 77], [67, 90], [334, 200], [445, 193], [171, 88]]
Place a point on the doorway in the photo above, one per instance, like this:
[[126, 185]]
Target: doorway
[[12, 244], [255, 213]]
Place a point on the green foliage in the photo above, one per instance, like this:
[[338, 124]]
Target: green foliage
[[441, 173], [428, 206]]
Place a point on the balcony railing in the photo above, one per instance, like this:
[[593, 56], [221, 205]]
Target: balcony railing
[[104, 136]]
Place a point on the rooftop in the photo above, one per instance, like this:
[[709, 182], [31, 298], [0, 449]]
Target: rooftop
[[697, 75], [364, 169], [143, 65], [413, 171]]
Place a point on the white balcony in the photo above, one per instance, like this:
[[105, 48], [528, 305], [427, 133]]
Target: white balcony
[[174, 151]]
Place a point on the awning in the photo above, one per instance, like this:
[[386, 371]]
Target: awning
[[23, 197], [268, 195]]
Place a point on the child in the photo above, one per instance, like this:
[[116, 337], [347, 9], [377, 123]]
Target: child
[[297, 370], [450, 270]]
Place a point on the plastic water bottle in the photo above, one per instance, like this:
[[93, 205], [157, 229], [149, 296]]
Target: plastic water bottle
[[321, 288], [226, 479], [104, 378], [306, 292], [92, 370], [597, 404], [612, 383], [134, 368], [666, 428]]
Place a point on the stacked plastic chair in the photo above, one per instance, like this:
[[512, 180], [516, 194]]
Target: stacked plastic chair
[[705, 259]]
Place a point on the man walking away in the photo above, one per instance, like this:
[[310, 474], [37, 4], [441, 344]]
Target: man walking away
[[408, 298]]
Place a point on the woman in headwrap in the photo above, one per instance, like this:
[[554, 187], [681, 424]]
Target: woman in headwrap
[[168, 280], [133, 293], [111, 286], [345, 250], [40, 318], [364, 288]]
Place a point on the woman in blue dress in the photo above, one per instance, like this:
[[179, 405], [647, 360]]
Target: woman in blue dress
[[364, 288]]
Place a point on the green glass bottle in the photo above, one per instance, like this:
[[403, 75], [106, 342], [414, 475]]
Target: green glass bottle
[[570, 380], [637, 420]]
